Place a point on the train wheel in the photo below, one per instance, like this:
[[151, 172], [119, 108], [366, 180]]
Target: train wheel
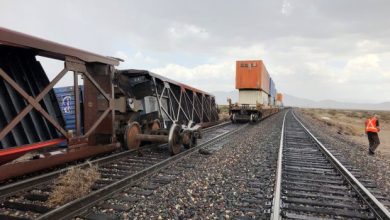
[[155, 126], [187, 139], [194, 141], [234, 118], [252, 118], [130, 136], [174, 139]]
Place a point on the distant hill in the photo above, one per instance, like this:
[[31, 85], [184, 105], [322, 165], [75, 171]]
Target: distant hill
[[221, 97], [307, 103]]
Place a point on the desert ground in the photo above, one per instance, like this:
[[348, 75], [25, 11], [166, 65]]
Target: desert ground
[[351, 123]]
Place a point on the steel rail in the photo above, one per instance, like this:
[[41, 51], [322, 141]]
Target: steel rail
[[377, 207], [70, 209], [26, 184], [7, 190], [217, 126], [278, 186]]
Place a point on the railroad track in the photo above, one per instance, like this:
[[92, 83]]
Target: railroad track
[[28, 199], [312, 184]]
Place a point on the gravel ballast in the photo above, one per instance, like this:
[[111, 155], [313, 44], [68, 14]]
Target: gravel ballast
[[235, 180], [373, 168]]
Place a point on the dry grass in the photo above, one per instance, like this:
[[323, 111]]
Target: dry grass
[[347, 122], [351, 123], [223, 112], [224, 116], [73, 184]]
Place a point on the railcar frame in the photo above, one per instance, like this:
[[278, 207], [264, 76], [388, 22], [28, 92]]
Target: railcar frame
[[107, 120]]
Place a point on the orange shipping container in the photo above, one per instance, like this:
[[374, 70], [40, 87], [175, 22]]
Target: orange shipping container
[[279, 97], [252, 74]]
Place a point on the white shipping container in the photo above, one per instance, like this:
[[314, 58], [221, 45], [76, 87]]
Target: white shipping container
[[252, 97]]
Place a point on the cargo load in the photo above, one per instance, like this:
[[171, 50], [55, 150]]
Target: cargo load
[[272, 93], [256, 93], [252, 74], [252, 97], [272, 88], [279, 99], [271, 101]]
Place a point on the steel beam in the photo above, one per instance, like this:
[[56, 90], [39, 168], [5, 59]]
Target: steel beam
[[18, 169], [33, 103]]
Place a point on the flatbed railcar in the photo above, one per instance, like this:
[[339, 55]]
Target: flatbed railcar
[[112, 109], [246, 113], [257, 93]]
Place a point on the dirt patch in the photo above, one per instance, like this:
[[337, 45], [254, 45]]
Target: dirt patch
[[74, 184], [351, 124]]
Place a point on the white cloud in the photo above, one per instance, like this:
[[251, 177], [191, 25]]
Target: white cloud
[[363, 63], [286, 8], [255, 51], [182, 31], [136, 60], [367, 70], [208, 77], [369, 45]]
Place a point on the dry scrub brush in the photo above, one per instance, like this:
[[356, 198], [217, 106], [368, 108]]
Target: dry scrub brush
[[224, 116], [75, 183]]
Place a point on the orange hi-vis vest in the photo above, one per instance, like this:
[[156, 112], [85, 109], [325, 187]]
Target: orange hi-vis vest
[[371, 125]]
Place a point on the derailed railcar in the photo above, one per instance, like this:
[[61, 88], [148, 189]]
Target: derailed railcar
[[105, 107], [154, 108], [30, 116]]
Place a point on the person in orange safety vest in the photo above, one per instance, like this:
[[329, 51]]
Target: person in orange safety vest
[[372, 129]]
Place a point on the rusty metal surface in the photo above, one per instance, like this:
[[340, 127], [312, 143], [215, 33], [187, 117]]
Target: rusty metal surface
[[29, 111], [153, 138], [76, 90], [10, 154], [50, 49], [18, 169], [98, 123]]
